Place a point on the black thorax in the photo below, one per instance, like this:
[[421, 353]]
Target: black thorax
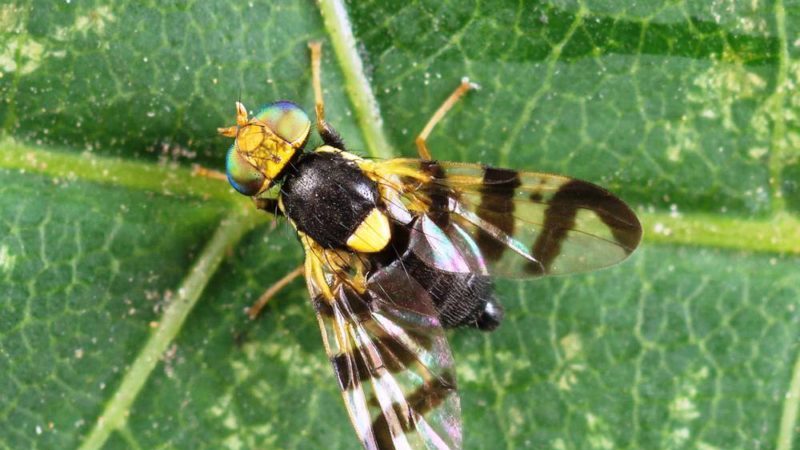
[[327, 197]]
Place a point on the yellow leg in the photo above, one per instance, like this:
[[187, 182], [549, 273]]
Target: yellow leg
[[422, 139], [316, 75], [254, 310], [200, 171], [328, 134], [316, 79]]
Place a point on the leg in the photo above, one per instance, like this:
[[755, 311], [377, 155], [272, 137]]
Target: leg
[[254, 310], [329, 135], [200, 171], [421, 141], [269, 205]]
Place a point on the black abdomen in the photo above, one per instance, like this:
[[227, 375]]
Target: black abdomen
[[460, 299], [327, 197]]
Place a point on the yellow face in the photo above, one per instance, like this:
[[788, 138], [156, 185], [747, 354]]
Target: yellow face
[[264, 145]]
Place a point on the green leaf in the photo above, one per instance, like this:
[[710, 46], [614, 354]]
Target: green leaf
[[124, 279]]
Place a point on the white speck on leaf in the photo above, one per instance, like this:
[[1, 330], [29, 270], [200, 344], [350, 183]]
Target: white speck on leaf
[[31, 54], [572, 349], [704, 446], [598, 432], [674, 153], [683, 408], [660, 228], [12, 18], [7, 260], [571, 345], [757, 152], [95, 21]]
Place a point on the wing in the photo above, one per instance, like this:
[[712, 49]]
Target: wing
[[389, 355], [524, 224]]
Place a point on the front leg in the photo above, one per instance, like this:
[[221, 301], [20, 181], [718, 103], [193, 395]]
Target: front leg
[[200, 171], [328, 134]]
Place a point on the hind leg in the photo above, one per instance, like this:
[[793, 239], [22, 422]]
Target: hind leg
[[262, 301]]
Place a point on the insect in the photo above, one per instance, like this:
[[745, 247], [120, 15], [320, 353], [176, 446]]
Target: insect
[[398, 250]]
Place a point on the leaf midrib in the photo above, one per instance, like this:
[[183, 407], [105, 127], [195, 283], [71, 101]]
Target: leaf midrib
[[778, 146], [115, 412], [779, 233]]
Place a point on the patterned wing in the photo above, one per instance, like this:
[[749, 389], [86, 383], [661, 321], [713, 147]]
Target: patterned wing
[[524, 224], [390, 357]]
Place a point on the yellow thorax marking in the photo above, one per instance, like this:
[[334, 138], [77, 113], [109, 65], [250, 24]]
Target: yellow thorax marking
[[346, 155]]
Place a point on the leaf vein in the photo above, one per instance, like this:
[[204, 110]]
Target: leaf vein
[[115, 412], [358, 87]]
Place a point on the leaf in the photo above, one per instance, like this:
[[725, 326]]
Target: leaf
[[106, 241]]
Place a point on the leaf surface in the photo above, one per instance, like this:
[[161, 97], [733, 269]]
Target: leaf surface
[[686, 110]]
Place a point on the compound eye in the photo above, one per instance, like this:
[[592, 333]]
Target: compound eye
[[242, 175], [288, 121]]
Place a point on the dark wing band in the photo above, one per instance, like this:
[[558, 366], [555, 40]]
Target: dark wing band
[[524, 224], [392, 362]]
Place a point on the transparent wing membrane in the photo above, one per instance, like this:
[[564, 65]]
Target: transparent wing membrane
[[524, 224], [392, 361]]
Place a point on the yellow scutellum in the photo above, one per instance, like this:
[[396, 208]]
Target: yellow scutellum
[[372, 235]]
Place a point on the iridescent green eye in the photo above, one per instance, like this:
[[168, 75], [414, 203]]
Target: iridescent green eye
[[242, 175], [288, 121]]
